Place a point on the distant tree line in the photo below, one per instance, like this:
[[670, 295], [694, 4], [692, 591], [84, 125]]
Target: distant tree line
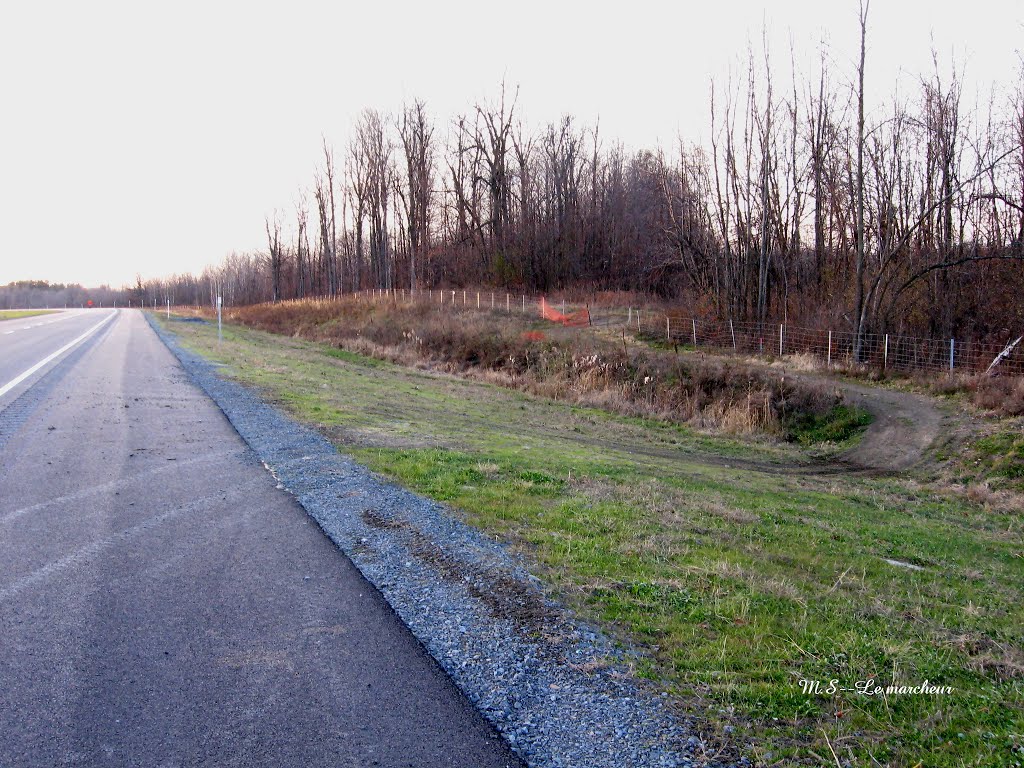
[[40, 294], [801, 207]]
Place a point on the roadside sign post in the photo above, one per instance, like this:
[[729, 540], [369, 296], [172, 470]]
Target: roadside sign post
[[220, 335]]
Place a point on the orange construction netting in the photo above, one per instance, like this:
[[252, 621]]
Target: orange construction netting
[[577, 319]]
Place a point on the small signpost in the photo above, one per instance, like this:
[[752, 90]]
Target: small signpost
[[220, 335]]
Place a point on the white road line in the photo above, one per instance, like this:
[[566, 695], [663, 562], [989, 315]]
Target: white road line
[[16, 381], [64, 315]]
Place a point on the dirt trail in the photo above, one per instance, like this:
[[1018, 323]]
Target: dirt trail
[[905, 427]]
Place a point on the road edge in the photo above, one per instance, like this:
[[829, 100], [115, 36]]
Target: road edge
[[561, 698]]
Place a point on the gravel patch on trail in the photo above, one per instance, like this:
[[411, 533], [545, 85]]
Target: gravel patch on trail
[[557, 690]]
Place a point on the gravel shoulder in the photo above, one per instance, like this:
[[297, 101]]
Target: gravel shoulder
[[558, 691]]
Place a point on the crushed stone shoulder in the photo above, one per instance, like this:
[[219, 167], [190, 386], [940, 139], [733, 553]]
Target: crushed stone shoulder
[[558, 691]]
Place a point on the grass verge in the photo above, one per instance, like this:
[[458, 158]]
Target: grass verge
[[15, 314], [735, 573]]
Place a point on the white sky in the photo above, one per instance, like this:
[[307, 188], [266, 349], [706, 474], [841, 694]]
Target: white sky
[[154, 137]]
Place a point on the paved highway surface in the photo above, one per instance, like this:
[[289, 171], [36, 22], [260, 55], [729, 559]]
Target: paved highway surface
[[163, 604]]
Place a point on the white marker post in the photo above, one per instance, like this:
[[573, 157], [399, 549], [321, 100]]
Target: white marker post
[[168, 309], [220, 335]]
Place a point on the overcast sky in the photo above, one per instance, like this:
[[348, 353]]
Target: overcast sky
[[154, 137]]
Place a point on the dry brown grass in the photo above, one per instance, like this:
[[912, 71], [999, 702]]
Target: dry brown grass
[[565, 364], [998, 395], [1003, 395]]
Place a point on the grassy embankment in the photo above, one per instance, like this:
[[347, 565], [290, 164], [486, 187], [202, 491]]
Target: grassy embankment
[[15, 314], [736, 574], [993, 462]]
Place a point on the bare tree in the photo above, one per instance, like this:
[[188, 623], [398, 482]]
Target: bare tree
[[417, 134], [860, 306], [302, 276], [327, 216], [276, 256]]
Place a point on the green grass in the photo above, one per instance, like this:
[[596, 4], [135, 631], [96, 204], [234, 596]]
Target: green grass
[[735, 574], [840, 426], [15, 314], [1002, 454], [996, 459]]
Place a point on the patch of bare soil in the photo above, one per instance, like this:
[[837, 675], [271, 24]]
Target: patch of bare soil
[[904, 428], [505, 596]]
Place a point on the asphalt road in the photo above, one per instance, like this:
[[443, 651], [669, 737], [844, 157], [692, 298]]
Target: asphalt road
[[26, 341], [162, 603]]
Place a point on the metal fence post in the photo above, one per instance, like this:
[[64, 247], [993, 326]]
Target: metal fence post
[[952, 348], [732, 332], [830, 348], [885, 354], [780, 339], [668, 329], [694, 321]]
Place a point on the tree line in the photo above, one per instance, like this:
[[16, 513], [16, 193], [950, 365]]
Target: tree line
[[804, 206], [41, 294]]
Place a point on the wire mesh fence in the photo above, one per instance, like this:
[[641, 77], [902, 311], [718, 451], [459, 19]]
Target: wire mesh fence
[[831, 347]]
